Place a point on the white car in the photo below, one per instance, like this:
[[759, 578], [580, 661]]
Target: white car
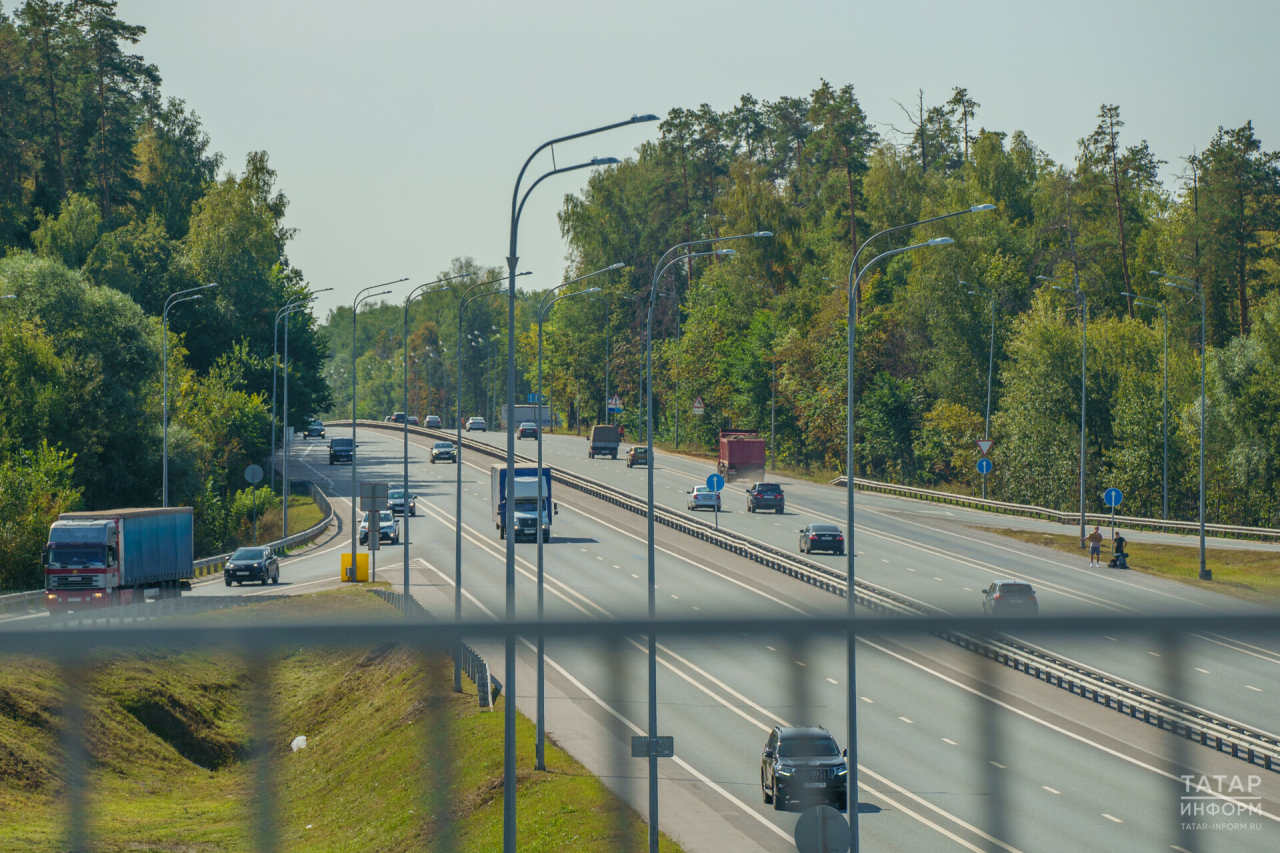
[[388, 528], [703, 498], [474, 424]]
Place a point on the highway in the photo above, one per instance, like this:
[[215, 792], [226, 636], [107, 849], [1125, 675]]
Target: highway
[[1067, 775], [934, 554]]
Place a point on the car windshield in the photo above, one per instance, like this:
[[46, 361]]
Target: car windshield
[[702, 490], [250, 554], [1016, 589], [444, 445], [808, 747], [317, 424], [768, 488], [528, 425], [824, 528], [397, 495]]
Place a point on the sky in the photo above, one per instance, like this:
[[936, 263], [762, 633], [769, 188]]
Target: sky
[[398, 126]]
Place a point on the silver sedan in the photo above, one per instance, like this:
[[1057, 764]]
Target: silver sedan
[[703, 498]]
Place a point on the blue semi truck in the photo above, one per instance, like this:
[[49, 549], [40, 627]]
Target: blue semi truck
[[117, 556]]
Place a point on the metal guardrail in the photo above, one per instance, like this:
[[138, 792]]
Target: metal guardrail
[[74, 652], [1157, 525], [21, 602], [468, 659], [1242, 741]]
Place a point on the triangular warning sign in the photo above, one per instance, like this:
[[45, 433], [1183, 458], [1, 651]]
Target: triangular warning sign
[[698, 406], [984, 444]]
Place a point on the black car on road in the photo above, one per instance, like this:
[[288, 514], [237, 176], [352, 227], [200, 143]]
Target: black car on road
[[252, 564], [803, 764], [316, 430], [443, 451], [1010, 598], [341, 450], [528, 429], [766, 496], [821, 537]]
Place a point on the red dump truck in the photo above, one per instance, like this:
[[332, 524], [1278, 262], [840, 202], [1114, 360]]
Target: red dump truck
[[742, 455], [117, 556]]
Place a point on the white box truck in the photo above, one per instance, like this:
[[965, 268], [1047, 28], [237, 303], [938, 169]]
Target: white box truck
[[525, 495]]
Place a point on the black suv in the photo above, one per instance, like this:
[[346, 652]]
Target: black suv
[[1010, 598], [252, 564], [316, 430], [803, 764], [341, 450], [766, 496]]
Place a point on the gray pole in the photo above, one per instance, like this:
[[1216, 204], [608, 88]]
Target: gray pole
[[608, 305], [1205, 574], [1164, 419], [851, 688], [991, 360], [1084, 400], [164, 359], [404, 507], [541, 722], [284, 486], [457, 518], [652, 576], [355, 496], [676, 299], [509, 706]]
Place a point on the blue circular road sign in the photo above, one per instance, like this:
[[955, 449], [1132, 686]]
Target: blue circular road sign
[[715, 482], [985, 466], [1112, 497]]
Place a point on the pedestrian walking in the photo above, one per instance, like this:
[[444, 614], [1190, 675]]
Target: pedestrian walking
[[1095, 547]]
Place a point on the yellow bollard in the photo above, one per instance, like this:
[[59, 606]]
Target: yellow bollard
[[362, 568]]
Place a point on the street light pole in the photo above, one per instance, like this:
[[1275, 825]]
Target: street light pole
[[1194, 287], [854, 282], [513, 258], [659, 270], [164, 328], [1084, 399], [355, 492], [543, 308], [465, 299], [284, 512], [991, 361], [1164, 418], [421, 289]]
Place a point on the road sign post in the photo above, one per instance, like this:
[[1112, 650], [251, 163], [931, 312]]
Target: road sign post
[[254, 475], [984, 466], [699, 407], [715, 483], [615, 405], [373, 500], [1113, 497], [984, 447]]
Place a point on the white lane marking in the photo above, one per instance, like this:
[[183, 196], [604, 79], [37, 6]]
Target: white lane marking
[[833, 681], [868, 701], [465, 592], [997, 764], [950, 741], [295, 586], [1155, 654], [1027, 715], [922, 801], [905, 720], [1112, 818], [1051, 790], [1256, 689], [1275, 655], [1205, 671], [1233, 646]]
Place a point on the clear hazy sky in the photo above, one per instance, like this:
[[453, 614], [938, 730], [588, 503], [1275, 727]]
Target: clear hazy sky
[[398, 126]]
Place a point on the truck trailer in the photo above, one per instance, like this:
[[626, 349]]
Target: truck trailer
[[117, 556], [742, 455], [525, 495], [605, 439]]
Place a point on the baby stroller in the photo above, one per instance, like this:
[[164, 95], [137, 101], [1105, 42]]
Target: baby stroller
[[1119, 559]]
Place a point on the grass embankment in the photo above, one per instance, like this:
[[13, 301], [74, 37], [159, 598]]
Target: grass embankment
[[170, 748], [303, 514], [1250, 575]]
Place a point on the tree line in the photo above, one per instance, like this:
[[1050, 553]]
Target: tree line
[[111, 200], [816, 172]]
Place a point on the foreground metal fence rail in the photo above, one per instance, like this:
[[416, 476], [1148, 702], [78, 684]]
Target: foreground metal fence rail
[[77, 643]]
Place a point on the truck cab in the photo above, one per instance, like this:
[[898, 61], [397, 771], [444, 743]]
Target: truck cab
[[525, 495], [81, 562]]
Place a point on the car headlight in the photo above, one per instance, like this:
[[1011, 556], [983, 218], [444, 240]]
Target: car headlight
[[786, 771], [842, 771]]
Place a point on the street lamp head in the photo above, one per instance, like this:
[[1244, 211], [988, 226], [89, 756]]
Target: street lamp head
[[9, 296], [1155, 273], [940, 241], [590, 290], [619, 265], [645, 117], [979, 208], [725, 252], [604, 161], [763, 234]]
